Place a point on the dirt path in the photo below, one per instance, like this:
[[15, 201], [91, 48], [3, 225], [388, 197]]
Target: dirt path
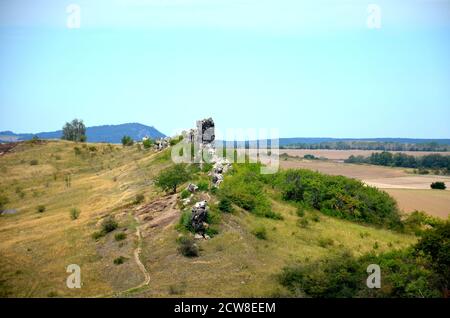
[[137, 253]]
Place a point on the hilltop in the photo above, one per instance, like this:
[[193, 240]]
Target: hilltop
[[105, 133], [103, 180]]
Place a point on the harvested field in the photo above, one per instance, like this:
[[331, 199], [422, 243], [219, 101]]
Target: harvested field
[[344, 154], [434, 202]]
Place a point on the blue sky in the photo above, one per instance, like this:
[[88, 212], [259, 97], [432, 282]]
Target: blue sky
[[308, 68]]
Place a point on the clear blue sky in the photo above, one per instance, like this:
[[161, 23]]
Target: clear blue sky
[[309, 68]]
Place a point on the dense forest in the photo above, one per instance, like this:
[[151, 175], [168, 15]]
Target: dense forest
[[435, 162]]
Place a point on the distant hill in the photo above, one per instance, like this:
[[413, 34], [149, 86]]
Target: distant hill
[[106, 133]]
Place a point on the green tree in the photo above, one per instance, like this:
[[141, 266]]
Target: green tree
[[74, 131], [127, 141], [171, 177], [148, 143]]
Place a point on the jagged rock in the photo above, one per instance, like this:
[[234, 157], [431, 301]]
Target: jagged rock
[[198, 217], [217, 179], [192, 187]]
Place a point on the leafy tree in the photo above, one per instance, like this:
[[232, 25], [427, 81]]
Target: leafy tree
[[127, 141], [438, 185], [74, 131], [148, 143], [171, 177]]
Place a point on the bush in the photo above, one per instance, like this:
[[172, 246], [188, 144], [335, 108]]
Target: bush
[[120, 236], [185, 222], [300, 211], [127, 141], [34, 162], [120, 260], [40, 208], [139, 198], [260, 232], [225, 205], [148, 143], [338, 196], [438, 185], [74, 213], [3, 201], [303, 223], [185, 194], [77, 151], [325, 242], [203, 185], [98, 234], [109, 224], [345, 276], [188, 247], [418, 221]]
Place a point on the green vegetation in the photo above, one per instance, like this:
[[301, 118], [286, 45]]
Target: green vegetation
[[148, 143], [225, 205], [127, 141], [3, 201], [421, 271], [436, 162], [120, 260], [371, 145], [172, 177], [245, 188], [185, 194], [187, 247], [74, 131], [139, 198], [120, 236], [438, 185], [337, 196], [109, 224], [203, 185], [40, 208], [74, 213], [34, 162], [260, 232]]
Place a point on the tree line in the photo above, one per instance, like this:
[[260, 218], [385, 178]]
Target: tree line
[[371, 145], [435, 162]]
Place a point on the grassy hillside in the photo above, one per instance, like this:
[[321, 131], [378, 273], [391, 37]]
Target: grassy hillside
[[101, 180]]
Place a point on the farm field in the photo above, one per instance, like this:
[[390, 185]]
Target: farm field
[[399, 182], [340, 155]]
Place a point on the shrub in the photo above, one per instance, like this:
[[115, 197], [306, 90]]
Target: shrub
[[345, 276], [34, 162], [120, 260], [225, 205], [315, 217], [98, 234], [3, 201], [188, 247], [303, 223], [40, 208], [185, 194], [120, 236], [148, 143], [260, 232], [418, 221], [203, 185], [338, 196], [77, 151], [185, 222], [325, 242], [74, 213], [127, 141], [438, 185], [139, 198], [300, 211], [109, 224]]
